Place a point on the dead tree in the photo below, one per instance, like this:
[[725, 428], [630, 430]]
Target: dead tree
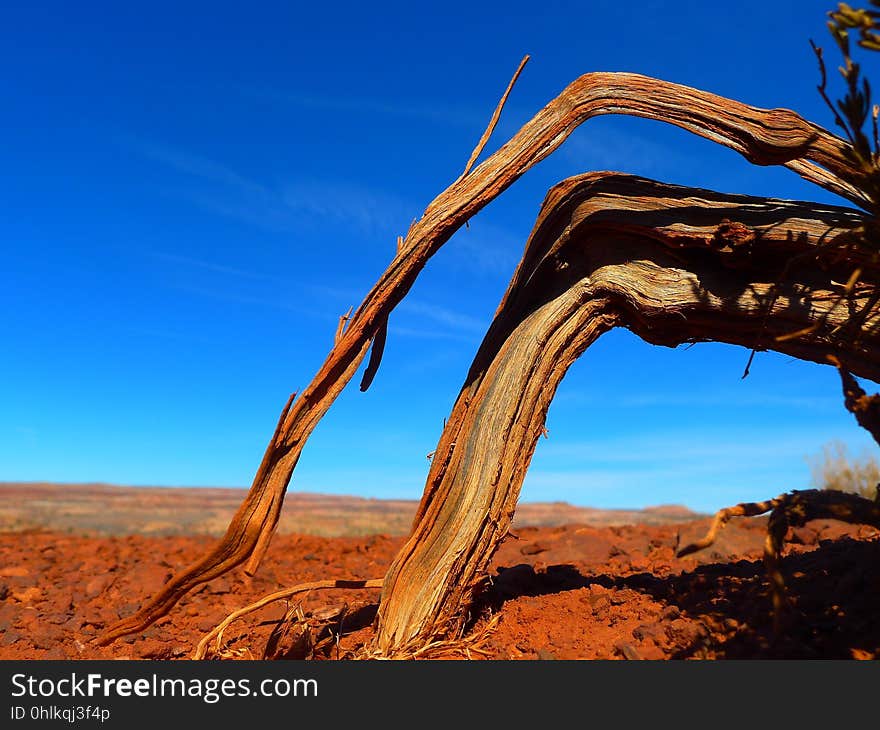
[[672, 264], [612, 250]]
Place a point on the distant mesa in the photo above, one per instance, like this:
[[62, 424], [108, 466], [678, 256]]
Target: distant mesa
[[105, 509]]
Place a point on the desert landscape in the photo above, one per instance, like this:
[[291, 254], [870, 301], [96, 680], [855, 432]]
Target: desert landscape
[[567, 583], [177, 296]]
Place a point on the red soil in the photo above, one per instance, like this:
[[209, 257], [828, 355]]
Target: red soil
[[561, 593]]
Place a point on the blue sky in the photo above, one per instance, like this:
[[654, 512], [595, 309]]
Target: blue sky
[[193, 193]]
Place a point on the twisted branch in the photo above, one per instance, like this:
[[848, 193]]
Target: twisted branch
[[764, 137]]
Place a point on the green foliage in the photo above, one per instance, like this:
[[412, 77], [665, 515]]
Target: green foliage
[[836, 471]]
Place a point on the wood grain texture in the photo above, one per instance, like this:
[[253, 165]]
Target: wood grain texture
[[765, 137], [671, 264]]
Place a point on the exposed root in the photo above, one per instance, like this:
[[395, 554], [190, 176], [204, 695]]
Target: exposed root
[[722, 517], [201, 650], [866, 408], [791, 510], [464, 646]]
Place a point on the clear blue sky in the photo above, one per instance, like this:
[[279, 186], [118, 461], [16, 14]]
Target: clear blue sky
[[192, 194]]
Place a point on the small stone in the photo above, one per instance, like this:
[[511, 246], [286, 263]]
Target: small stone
[[96, 586], [629, 652], [804, 535], [7, 638], [14, 571], [533, 549], [28, 595], [654, 632]]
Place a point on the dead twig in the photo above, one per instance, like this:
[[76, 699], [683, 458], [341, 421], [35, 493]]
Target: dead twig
[[217, 632], [494, 120], [340, 328], [793, 509]]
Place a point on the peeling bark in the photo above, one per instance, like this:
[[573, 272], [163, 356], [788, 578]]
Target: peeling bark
[[764, 137], [671, 264]]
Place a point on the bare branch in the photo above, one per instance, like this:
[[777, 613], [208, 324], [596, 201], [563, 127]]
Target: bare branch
[[494, 120]]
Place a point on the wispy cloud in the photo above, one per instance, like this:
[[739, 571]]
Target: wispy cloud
[[601, 147], [421, 333], [287, 206], [194, 165], [351, 205], [678, 446], [730, 400], [415, 317], [704, 469], [210, 266], [309, 203], [724, 398], [443, 316], [446, 112], [281, 302], [484, 247]]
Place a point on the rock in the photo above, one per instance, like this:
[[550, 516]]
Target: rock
[[651, 652], [628, 651], [655, 632], [28, 595], [686, 633], [804, 535], [97, 585], [9, 637], [621, 596], [14, 571], [533, 548]]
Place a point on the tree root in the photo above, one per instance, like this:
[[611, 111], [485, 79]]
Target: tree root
[[790, 510], [201, 650], [464, 646], [865, 408]]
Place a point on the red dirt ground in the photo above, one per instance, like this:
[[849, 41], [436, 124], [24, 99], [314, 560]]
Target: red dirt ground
[[561, 593]]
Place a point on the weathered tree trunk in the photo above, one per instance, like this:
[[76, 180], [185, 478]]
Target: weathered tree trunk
[[671, 264], [764, 137]]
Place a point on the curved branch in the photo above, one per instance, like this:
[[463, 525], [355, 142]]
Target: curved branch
[[671, 264], [764, 137], [201, 650]]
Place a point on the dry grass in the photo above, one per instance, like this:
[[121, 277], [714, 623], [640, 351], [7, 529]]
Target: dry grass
[[836, 470]]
